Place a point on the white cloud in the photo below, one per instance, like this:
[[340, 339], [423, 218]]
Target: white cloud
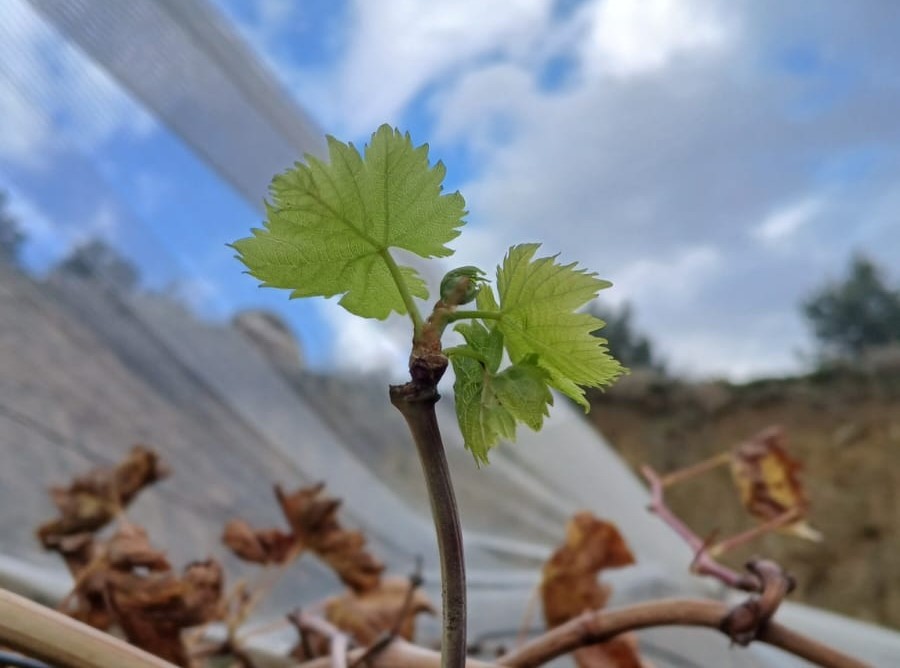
[[782, 224], [398, 47], [669, 162], [709, 354], [51, 94], [675, 278], [479, 115], [364, 345], [658, 182], [635, 37]]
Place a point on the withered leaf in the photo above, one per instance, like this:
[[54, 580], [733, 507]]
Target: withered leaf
[[312, 517], [153, 609], [124, 581], [93, 563], [768, 481], [94, 499], [204, 584], [130, 548], [76, 549], [369, 615], [345, 552], [260, 546], [87, 563], [569, 585], [309, 512]]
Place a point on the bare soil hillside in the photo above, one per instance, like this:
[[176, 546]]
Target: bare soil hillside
[[845, 427]]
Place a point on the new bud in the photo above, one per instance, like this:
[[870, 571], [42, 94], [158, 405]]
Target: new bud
[[461, 285]]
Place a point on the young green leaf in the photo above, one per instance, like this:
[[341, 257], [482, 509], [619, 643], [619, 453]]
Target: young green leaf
[[538, 302], [488, 403], [330, 225]]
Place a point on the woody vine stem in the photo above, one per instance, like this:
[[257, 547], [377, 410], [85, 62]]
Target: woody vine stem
[[416, 402]]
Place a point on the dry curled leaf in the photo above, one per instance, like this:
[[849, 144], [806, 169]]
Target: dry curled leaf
[[94, 563], [76, 549], [154, 608], [129, 548], [369, 615], [87, 564], [569, 585], [125, 581], [309, 511], [260, 546], [768, 481], [312, 517], [345, 552], [365, 617], [94, 499]]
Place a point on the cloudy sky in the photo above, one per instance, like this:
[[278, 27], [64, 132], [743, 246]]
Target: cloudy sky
[[716, 160]]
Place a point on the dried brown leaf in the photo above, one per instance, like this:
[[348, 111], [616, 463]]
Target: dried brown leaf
[[154, 608], [345, 552], [124, 581], [87, 602], [313, 519], [260, 546], [76, 549], [570, 586], [309, 512], [94, 499], [204, 585], [768, 481], [91, 563], [369, 615], [129, 548]]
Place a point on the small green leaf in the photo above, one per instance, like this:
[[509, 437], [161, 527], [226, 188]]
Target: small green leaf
[[329, 225], [522, 388], [538, 302], [488, 404], [486, 344]]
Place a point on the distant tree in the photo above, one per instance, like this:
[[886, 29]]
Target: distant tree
[[11, 235], [626, 344], [96, 259], [856, 313]]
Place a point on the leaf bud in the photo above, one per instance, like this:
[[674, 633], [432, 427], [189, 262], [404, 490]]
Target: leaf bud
[[461, 285]]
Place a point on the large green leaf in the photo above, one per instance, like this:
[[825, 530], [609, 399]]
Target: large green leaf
[[538, 306], [330, 226]]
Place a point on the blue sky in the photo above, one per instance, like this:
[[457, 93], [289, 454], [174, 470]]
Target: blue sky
[[716, 160]]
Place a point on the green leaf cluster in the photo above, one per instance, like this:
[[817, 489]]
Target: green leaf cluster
[[329, 226], [329, 230], [548, 343]]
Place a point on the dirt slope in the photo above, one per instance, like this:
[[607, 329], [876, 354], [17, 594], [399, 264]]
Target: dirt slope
[[845, 427]]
